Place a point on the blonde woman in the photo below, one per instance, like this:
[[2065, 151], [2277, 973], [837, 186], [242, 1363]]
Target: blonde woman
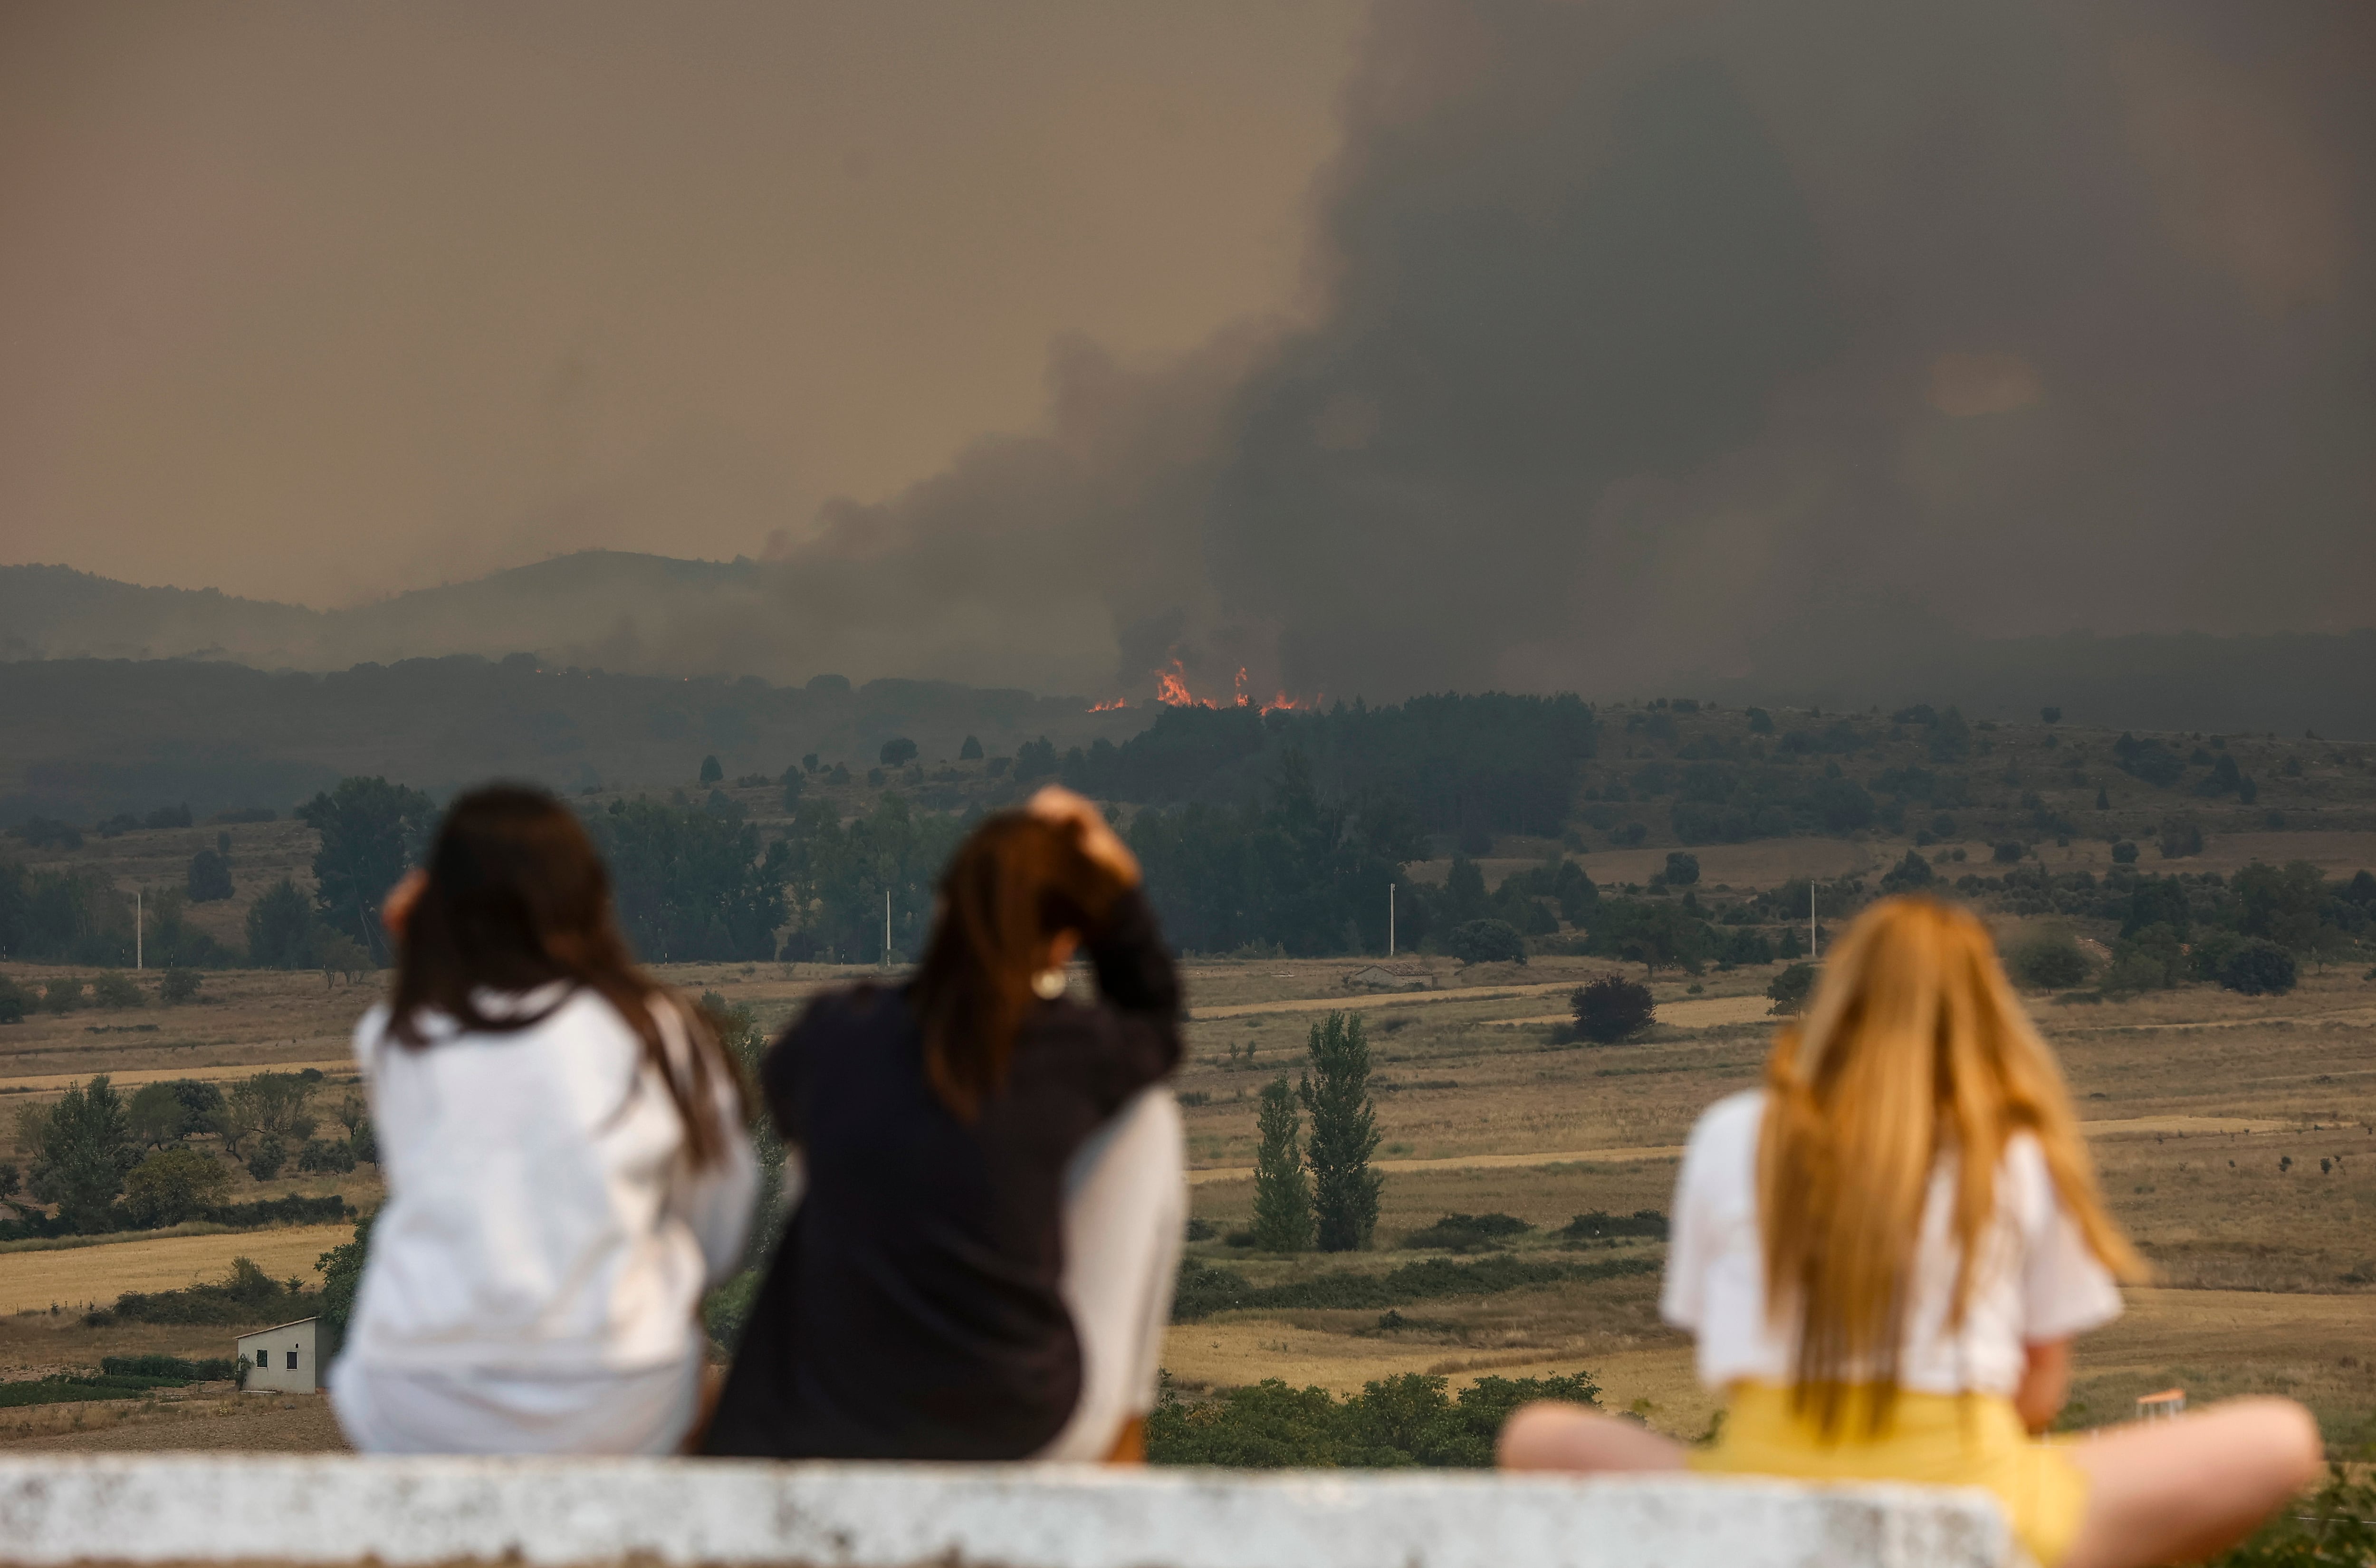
[[1885, 1255]]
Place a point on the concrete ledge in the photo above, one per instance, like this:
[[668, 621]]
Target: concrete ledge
[[333, 1509]]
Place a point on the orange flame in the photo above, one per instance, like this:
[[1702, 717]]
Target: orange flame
[[1171, 690], [1109, 707]]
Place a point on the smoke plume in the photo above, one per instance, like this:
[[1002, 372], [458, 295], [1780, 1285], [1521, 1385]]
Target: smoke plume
[[1661, 337]]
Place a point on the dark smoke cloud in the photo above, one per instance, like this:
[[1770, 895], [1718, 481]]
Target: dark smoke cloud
[[1669, 338]]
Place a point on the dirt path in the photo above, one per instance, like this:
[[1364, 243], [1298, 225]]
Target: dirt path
[[2110, 1128], [1381, 999], [343, 1067], [1704, 1013]]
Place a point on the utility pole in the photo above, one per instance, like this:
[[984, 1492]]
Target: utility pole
[[1814, 938], [1390, 919], [139, 925], [887, 928]]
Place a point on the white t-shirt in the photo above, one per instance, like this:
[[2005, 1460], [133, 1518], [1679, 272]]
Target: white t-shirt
[[2038, 1281], [542, 1216]]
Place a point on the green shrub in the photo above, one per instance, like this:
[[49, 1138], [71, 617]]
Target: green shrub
[[1486, 942], [1609, 1010], [2048, 960], [264, 1162], [321, 1157], [15, 1002], [2336, 1528], [63, 994], [2258, 967], [170, 1369], [178, 986], [1465, 1233], [1392, 1422], [1203, 1289], [1790, 989], [116, 989], [172, 1185], [1596, 1225], [246, 1295]]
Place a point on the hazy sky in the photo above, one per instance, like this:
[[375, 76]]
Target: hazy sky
[[312, 301], [1447, 342]]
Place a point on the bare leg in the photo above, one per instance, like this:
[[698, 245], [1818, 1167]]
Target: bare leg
[[1551, 1434], [2178, 1491]]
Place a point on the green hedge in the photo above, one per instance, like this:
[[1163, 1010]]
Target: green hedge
[[1204, 1290]]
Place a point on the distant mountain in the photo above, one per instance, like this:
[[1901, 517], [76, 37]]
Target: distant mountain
[[84, 738], [604, 608]]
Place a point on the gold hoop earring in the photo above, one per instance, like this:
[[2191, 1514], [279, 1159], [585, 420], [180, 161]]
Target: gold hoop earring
[[1047, 984]]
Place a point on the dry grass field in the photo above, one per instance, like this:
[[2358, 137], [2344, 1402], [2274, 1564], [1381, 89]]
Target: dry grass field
[[80, 1277], [2236, 1138]]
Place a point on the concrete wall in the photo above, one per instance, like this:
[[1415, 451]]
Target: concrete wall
[[333, 1509]]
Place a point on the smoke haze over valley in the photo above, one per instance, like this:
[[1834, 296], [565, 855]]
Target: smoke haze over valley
[[1531, 345]]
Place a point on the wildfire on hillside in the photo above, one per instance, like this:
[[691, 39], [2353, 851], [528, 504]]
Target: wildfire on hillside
[[1171, 690]]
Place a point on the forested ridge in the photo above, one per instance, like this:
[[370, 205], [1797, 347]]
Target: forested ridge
[[1281, 831]]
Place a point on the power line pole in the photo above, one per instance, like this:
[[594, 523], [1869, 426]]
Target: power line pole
[[139, 925], [1390, 919], [1813, 937], [887, 928]]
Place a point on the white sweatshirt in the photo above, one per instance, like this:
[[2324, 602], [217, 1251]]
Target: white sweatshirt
[[542, 1216]]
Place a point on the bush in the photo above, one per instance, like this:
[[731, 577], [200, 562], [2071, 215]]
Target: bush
[[319, 1158], [15, 1002], [170, 1369], [1596, 1225], [1467, 1233], [1609, 1010], [208, 880], [172, 1185], [2154, 959], [2333, 1529], [1911, 873], [2180, 838], [1683, 870], [1403, 1421], [2008, 853], [2257, 967], [2124, 853], [115, 989], [712, 771], [971, 749], [897, 750], [1486, 942], [264, 1162], [1203, 1289], [178, 986], [2048, 960], [63, 994], [246, 1295], [1790, 989]]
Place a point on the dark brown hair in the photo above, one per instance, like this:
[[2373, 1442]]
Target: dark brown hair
[[1011, 888], [517, 898]]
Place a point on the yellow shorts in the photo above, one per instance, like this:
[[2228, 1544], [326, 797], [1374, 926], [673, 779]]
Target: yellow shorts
[[1932, 1439]]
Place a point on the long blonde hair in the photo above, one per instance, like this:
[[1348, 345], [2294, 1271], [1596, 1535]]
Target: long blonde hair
[[1914, 1047]]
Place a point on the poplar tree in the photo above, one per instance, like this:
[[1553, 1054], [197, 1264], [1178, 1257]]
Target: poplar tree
[[1282, 1194], [1335, 1090]]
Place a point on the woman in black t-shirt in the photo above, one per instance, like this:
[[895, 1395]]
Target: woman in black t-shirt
[[914, 1309]]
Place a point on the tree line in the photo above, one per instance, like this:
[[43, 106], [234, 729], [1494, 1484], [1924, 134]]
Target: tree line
[[111, 1162]]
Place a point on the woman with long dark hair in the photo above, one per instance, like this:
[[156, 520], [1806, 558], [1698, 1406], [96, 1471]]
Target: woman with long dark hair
[[922, 1302], [565, 1162]]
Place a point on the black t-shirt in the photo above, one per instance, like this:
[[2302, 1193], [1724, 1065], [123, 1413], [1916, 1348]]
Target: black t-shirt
[[913, 1310]]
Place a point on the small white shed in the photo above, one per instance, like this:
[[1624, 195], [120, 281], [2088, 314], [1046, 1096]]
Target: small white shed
[[282, 1357]]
